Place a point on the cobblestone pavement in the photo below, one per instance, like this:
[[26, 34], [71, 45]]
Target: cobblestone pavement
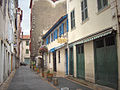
[[25, 79]]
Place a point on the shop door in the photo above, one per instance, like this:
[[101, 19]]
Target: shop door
[[80, 61], [106, 65], [71, 63], [54, 61]]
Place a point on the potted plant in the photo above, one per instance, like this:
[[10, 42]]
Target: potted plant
[[49, 76]]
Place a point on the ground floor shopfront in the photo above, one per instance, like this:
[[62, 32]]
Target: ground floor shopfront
[[95, 59], [7, 61], [58, 60]]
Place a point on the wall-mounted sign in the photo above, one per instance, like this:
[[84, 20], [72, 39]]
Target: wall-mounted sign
[[62, 40]]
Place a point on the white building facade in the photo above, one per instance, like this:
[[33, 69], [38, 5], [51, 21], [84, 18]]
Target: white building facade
[[94, 41], [56, 42], [24, 49], [7, 28]]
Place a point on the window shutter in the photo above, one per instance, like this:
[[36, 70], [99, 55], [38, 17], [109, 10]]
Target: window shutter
[[67, 25], [46, 40], [51, 37], [60, 31], [62, 28], [56, 34]]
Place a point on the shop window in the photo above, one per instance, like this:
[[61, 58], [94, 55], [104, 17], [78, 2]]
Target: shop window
[[110, 40], [100, 43]]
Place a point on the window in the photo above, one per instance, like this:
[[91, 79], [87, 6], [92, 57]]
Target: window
[[102, 4], [84, 10], [1, 2], [72, 19], [51, 37], [58, 56], [60, 31], [27, 51], [49, 58], [67, 27], [100, 43], [110, 40], [48, 39], [27, 43]]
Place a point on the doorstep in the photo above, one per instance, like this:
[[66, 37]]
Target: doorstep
[[89, 84]]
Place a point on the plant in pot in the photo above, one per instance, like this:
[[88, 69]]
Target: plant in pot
[[49, 76]]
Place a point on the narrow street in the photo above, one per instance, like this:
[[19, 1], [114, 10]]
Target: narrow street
[[25, 79]]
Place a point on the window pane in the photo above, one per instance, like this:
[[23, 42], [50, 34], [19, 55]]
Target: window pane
[[82, 16], [82, 49], [86, 13], [85, 3], [105, 3], [82, 5], [100, 43], [99, 4], [110, 41]]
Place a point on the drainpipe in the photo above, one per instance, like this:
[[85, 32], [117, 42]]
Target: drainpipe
[[118, 16]]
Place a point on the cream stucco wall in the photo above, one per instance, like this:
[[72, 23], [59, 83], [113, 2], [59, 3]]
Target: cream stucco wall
[[89, 61], [23, 48], [95, 22]]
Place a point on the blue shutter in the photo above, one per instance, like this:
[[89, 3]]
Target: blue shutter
[[51, 37], [60, 31], [62, 28], [67, 26], [46, 40], [56, 33]]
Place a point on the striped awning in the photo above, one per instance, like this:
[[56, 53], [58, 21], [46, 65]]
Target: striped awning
[[93, 37]]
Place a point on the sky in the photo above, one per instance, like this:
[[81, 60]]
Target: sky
[[24, 5]]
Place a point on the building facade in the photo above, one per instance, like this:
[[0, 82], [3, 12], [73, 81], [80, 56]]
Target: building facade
[[43, 14], [56, 41], [94, 41], [24, 49], [7, 29]]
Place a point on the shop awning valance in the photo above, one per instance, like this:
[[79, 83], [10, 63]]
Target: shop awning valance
[[93, 36]]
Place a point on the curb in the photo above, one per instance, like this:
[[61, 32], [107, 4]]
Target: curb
[[5, 84]]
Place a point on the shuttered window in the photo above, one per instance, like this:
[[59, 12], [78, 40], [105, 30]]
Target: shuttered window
[[1, 2], [60, 31], [84, 10], [72, 19], [54, 35], [51, 37], [67, 25], [102, 4], [46, 41]]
